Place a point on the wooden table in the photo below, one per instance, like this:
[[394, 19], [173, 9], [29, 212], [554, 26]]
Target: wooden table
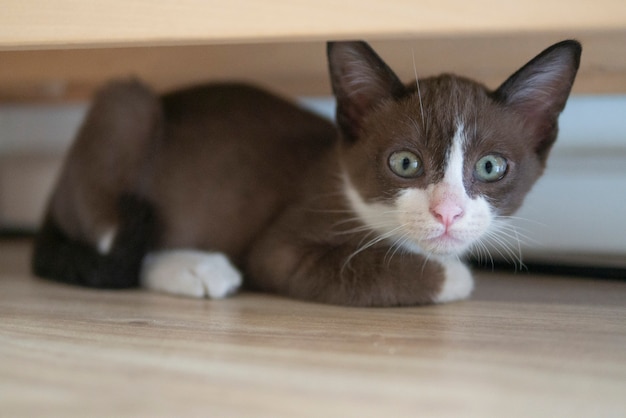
[[62, 50]]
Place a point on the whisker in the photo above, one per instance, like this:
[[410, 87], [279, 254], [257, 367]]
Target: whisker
[[371, 243], [513, 231], [508, 218], [513, 235], [386, 226], [488, 254], [503, 248], [419, 93], [398, 245], [479, 248], [427, 257]]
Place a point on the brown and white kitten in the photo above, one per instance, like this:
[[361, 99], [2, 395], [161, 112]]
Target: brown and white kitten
[[189, 192]]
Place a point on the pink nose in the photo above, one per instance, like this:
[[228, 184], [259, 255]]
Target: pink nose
[[447, 212]]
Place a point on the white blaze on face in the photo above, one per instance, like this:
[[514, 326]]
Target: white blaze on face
[[442, 219], [448, 199]]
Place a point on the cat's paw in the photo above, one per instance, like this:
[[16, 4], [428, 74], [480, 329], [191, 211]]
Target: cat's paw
[[457, 284], [190, 273]]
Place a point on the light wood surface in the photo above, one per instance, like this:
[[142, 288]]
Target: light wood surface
[[65, 49], [70, 23], [297, 68], [523, 346]]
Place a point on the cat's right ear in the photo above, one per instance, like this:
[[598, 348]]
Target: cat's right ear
[[539, 90], [360, 80]]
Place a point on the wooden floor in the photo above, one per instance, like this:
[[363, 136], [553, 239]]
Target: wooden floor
[[522, 346]]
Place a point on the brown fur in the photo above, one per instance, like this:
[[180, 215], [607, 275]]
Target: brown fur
[[233, 169]]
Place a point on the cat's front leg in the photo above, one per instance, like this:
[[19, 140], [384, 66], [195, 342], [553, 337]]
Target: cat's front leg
[[457, 281], [373, 277], [190, 273]]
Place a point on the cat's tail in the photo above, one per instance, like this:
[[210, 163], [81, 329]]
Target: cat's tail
[[61, 258], [99, 224]]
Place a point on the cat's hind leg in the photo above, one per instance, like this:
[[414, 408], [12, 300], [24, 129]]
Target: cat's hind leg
[[99, 222], [190, 273]]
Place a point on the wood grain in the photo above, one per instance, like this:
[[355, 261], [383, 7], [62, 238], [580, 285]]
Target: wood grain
[[63, 50], [295, 68], [92, 23], [523, 346]]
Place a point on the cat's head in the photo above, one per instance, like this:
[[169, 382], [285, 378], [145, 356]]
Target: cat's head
[[430, 165]]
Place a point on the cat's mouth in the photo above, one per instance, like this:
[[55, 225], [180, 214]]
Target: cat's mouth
[[446, 243]]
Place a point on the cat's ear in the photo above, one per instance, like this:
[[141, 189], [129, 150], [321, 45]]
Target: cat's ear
[[360, 79], [538, 91]]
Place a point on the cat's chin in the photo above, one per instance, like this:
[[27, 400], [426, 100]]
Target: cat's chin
[[444, 245]]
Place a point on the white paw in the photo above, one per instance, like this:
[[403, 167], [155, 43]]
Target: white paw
[[190, 273], [458, 282]]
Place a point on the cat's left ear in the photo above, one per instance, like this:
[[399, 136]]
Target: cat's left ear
[[360, 80], [539, 90]]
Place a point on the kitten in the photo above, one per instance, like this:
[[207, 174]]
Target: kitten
[[190, 192]]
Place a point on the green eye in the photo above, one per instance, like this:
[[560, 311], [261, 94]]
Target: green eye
[[491, 168], [405, 164]]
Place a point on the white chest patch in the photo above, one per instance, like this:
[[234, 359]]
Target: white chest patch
[[441, 219]]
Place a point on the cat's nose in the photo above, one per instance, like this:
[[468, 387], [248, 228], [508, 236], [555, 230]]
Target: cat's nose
[[447, 213]]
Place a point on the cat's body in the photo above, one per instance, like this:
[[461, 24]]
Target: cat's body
[[376, 213]]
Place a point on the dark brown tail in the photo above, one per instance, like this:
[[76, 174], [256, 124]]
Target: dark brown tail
[[60, 258]]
